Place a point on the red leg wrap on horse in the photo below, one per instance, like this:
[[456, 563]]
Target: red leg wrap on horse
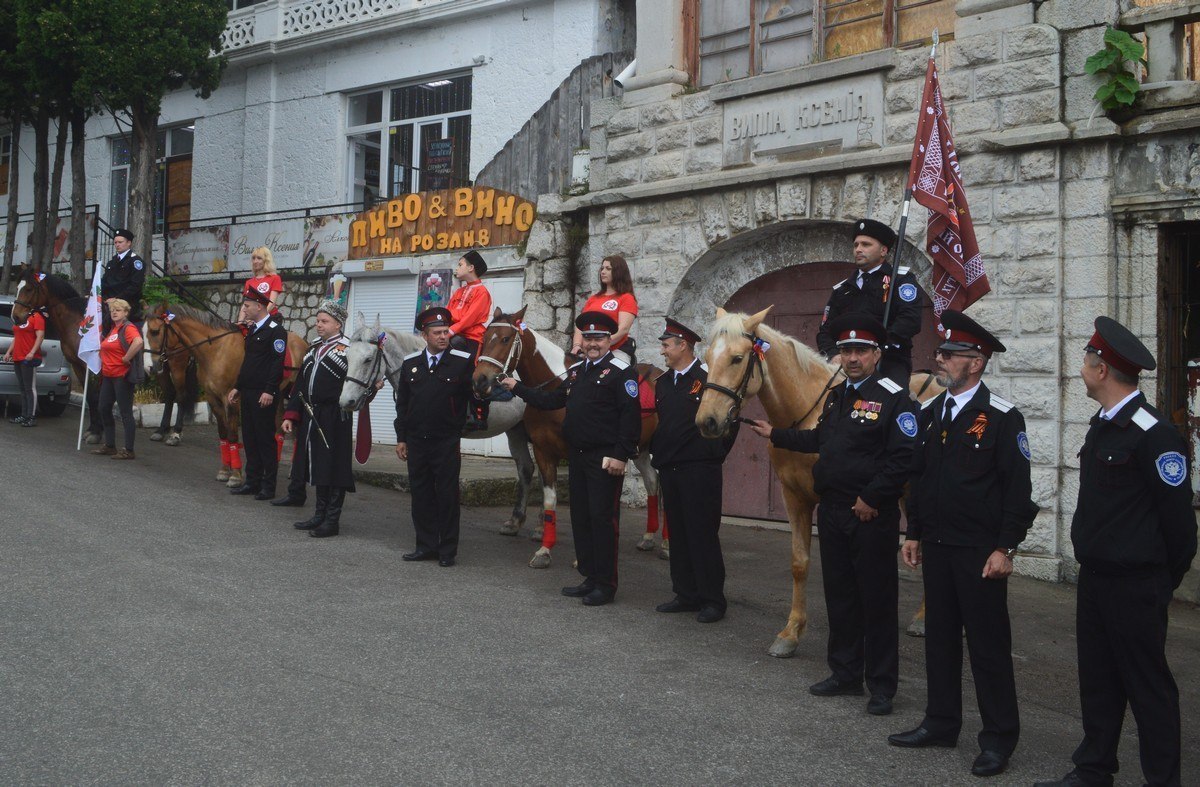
[[666, 530], [235, 456], [549, 529], [278, 447], [224, 453], [651, 513]]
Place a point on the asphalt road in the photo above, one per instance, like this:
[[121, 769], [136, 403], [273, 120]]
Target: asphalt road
[[157, 630]]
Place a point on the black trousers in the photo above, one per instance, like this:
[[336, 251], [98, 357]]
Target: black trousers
[[258, 436], [859, 574], [296, 486], [957, 597], [1121, 631], [117, 390], [692, 502], [434, 465], [595, 518]]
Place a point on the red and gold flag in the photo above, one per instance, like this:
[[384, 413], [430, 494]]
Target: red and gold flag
[[936, 182]]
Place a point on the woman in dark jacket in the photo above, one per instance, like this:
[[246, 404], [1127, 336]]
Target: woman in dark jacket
[[314, 413]]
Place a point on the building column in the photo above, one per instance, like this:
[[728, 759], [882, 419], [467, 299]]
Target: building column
[[660, 46]]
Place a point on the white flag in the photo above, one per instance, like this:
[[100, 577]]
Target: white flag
[[89, 329]]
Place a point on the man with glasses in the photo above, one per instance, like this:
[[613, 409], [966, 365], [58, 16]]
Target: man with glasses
[[969, 508], [864, 441], [1134, 534]]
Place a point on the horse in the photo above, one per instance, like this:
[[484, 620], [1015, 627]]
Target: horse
[[375, 353], [510, 345], [792, 380], [218, 347], [66, 309]]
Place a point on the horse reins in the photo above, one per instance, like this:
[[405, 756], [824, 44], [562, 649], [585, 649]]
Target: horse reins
[[514, 357], [368, 386]]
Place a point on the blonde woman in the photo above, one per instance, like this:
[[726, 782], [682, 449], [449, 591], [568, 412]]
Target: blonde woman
[[118, 347], [265, 280]]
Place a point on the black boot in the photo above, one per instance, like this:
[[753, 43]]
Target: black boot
[[319, 514], [333, 514]]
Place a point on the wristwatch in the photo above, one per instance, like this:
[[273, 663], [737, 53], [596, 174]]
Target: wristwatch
[[1008, 553]]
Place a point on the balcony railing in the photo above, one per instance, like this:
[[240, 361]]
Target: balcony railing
[[283, 20]]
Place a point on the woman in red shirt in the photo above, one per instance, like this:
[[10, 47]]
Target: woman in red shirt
[[118, 347], [265, 279], [25, 354], [616, 298]]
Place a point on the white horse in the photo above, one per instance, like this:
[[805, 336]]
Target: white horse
[[375, 353]]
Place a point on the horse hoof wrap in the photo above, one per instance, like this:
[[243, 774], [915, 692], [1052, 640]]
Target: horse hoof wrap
[[173, 439], [222, 475], [646, 544], [156, 437], [540, 560], [235, 480]]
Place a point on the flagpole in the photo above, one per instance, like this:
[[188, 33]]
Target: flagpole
[[887, 307], [83, 409]]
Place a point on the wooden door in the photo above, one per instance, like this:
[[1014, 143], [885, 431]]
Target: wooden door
[[179, 191]]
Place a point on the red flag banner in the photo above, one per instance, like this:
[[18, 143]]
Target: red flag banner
[[936, 182]]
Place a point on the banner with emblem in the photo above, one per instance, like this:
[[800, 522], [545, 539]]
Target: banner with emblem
[[935, 181], [89, 329]]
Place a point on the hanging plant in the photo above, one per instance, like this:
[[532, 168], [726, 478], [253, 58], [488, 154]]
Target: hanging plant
[[1121, 53]]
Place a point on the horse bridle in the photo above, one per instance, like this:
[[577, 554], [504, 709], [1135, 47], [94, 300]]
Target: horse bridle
[[368, 386], [514, 350], [164, 354], [738, 395]]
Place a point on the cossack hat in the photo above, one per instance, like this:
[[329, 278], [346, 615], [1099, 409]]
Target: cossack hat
[[476, 261], [963, 333], [877, 230], [678, 330], [857, 328], [596, 324], [335, 310], [434, 318], [124, 233], [256, 296], [1118, 347]]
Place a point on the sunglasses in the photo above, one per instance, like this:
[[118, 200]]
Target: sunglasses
[[954, 354]]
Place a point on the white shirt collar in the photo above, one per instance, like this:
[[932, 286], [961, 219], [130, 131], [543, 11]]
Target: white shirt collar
[[682, 372], [260, 323], [961, 400], [1116, 408]]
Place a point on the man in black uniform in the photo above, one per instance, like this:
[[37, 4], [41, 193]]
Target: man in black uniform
[[1134, 534], [869, 291], [602, 426], [969, 508], [257, 386], [432, 396], [865, 440], [322, 428], [689, 471], [124, 277]]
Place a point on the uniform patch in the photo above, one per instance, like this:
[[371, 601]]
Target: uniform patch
[[137, 264], [907, 292], [631, 388], [280, 345], [908, 424], [1172, 467], [1023, 446]]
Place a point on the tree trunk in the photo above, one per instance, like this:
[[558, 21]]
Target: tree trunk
[[10, 236], [60, 158], [79, 239], [143, 152], [41, 167]]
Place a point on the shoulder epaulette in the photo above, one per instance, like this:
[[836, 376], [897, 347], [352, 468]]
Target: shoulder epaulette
[[704, 366], [929, 401], [577, 363], [413, 354], [1145, 419], [272, 324], [840, 283], [903, 270], [617, 362], [1003, 405], [460, 353], [888, 384]]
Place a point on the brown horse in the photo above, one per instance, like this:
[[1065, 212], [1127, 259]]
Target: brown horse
[[792, 380], [66, 309], [510, 345], [218, 348]]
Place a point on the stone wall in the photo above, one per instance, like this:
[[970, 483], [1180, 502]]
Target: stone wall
[[297, 306]]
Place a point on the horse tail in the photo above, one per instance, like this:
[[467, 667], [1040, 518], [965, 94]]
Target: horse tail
[[191, 390]]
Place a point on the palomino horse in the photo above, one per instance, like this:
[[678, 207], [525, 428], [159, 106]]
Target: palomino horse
[[218, 348], [66, 309], [791, 379], [510, 345], [376, 353]]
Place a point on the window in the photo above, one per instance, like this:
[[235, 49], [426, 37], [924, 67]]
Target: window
[[5, 159], [740, 39], [172, 178], [236, 4], [409, 138]]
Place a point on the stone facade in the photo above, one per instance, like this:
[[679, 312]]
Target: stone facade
[[1068, 207], [297, 306]]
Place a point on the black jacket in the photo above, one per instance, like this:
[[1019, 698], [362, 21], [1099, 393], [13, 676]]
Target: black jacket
[[124, 279], [904, 321], [1135, 495], [262, 366], [320, 384], [432, 404], [603, 411], [865, 441], [971, 483], [677, 441]]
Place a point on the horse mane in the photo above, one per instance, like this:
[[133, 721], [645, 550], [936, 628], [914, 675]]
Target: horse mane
[[60, 288], [192, 313], [734, 324]]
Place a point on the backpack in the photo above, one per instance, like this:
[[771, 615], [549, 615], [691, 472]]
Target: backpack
[[137, 364]]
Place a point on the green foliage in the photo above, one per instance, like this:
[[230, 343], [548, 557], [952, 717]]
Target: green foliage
[[1113, 61]]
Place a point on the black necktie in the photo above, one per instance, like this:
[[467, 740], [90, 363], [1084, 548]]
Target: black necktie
[[432, 362], [949, 415], [678, 377]]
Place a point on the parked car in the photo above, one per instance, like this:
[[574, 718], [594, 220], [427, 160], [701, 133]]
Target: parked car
[[53, 376]]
